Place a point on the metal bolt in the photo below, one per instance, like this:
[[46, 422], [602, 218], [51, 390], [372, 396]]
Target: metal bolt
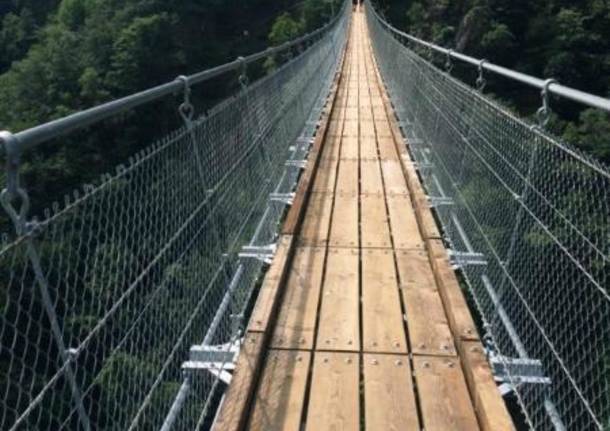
[[348, 361], [349, 342], [450, 364], [422, 345], [396, 344], [299, 359], [325, 360], [426, 364], [374, 362]]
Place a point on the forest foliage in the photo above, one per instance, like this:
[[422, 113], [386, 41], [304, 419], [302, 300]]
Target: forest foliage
[[62, 56], [567, 40]]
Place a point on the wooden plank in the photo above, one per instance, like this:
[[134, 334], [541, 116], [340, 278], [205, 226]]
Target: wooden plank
[[368, 148], [384, 130], [393, 177], [382, 323], [326, 176], [367, 129], [331, 149], [458, 312], [339, 317], [351, 127], [344, 224], [267, 300], [316, 222], [370, 177], [403, 223], [387, 148], [443, 396], [414, 269], [233, 412], [366, 114], [389, 399], [489, 405], [427, 223], [280, 398], [429, 331], [335, 127], [347, 179], [374, 222], [351, 114], [349, 147], [334, 401], [296, 319]]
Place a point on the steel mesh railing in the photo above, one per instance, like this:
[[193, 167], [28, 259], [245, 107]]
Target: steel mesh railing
[[528, 219], [103, 296]]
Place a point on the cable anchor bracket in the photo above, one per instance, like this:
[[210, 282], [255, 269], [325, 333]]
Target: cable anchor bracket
[[544, 113]]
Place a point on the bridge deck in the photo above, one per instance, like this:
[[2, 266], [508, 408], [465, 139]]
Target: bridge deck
[[360, 320]]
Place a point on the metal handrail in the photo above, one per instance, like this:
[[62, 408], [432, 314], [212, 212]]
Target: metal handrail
[[555, 88], [14, 144]]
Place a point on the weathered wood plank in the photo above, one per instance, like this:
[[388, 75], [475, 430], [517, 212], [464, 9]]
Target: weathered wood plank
[[334, 403], [326, 177], [316, 222], [339, 322], [382, 323], [458, 313], [489, 405], [232, 415], [375, 228], [347, 179], [349, 148], [403, 223], [296, 320], [389, 398], [370, 177], [267, 300], [393, 177], [344, 225], [368, 148], [280, 397], [443, 396]]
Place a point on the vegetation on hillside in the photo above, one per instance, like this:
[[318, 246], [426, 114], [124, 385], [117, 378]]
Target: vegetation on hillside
[[140, 281], [61, 56], [565, 40]]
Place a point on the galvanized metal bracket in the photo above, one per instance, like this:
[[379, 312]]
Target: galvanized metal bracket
[[283, 198], [218, 360], [460, 259], [517, 371], [299, 164], [438, 201], [264, 253]]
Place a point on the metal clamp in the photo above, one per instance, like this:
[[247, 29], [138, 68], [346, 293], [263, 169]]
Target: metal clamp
[[544, 113], [448, 61], [481, 82], [186, 109], [243, 76], [13, 189]]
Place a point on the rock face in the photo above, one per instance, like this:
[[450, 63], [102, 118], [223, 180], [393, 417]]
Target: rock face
[[472, 27]]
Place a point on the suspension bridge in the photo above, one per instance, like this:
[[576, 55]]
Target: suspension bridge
[[357, 240]]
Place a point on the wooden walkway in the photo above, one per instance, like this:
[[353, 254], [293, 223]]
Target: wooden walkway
[[360, 322]]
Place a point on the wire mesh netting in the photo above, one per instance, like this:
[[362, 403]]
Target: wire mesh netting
[[103, 297], [529, 216]]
